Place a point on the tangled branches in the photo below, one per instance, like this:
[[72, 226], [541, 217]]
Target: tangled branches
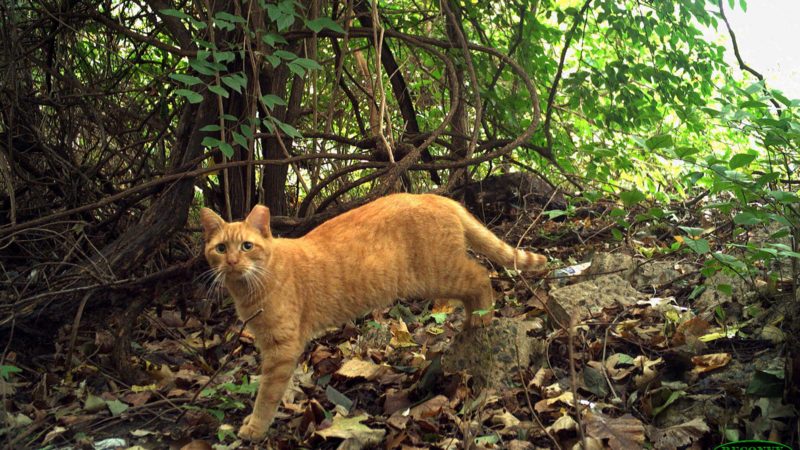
[[102, 158]]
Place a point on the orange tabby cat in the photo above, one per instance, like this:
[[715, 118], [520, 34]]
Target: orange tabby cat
[[402, 245]]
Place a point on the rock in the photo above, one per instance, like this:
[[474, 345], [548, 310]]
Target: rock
[[490, 354], [589, 298], [641, 274], [714, 296], [658, 273], [612, 263]]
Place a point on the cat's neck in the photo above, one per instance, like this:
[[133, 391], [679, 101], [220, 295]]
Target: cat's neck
[[248, 293]]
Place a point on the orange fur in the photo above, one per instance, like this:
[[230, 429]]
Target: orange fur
[[402, 245]]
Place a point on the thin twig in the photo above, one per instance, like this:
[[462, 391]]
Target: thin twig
[[228, 359]]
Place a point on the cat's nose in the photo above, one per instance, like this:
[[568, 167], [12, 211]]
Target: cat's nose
[[231, 260]]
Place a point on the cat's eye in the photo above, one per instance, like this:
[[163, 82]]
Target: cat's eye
[[220, 248], [247, 245]]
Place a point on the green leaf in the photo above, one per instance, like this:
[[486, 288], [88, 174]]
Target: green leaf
[[175, 13], [272, 38], [211, 128], [284, 22], [766, 383], [741, 160], [337, 398], [93, 403], [489, 439], [318, 24], [753, 104], [673, 397], [288, 129], [270, 100], [726, 289], [309, 64], [229, 17], [202, 67], [692, 231], [219, 90], [297, 69], [7, 370], [746, 218], [553, 213], [226, 149], [659, 141], [699, 246], [239, 139], [273, 60], [630, 198], [439, 318], [210, 142], [235, 82], [784, 196], [685, 152], [116, 407], [191, 96], [223, 57], [189, 80], [594, 382], [246, 131], [283, 54], [224, 25]]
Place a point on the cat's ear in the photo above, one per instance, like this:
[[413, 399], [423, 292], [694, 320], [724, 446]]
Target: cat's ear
[[211, 222], [259, 219]]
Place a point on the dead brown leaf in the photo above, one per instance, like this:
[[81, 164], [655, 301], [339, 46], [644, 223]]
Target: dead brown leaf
[[712, 361], [678, 435], [624, 432], [197, 445], [543, 375], [550, 404], [357, 368], [138, 398], [429, 408]]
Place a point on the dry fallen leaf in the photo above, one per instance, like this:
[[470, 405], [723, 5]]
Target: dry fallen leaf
[[647, 366], [625, 432], [707, 363], [548, 404], [563, 423], [429, 408], [506, 419], [400, 335], [677, 435], [355, 368], [351, 429], [197, 445], [551, 391], [543, 375]]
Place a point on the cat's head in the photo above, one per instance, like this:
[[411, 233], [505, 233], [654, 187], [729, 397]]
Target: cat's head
[[238, 251]]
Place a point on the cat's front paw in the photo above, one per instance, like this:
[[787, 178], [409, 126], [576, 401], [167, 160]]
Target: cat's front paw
[[251, 431]]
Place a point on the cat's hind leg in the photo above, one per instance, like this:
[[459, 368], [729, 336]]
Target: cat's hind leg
[[472, 287]]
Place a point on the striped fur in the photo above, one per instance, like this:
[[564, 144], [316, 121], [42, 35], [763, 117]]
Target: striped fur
[[483, 241]]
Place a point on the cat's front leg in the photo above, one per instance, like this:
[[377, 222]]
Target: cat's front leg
[[276, 370]]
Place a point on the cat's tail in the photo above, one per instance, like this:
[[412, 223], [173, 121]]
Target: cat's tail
[[483, 241]]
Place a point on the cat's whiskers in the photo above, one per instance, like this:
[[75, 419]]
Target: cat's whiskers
[[215, 284], [255, 278]]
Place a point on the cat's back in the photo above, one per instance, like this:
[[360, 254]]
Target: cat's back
[[393, 212]]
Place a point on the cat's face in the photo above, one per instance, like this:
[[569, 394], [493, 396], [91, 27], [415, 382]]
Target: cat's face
[[238, 251]]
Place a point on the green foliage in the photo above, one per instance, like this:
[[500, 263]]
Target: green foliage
[[7, 371]]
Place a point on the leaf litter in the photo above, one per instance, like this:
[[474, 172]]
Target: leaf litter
[[651, 369]]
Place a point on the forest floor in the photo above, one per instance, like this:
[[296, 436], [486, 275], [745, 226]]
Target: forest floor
[[658, 355]]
